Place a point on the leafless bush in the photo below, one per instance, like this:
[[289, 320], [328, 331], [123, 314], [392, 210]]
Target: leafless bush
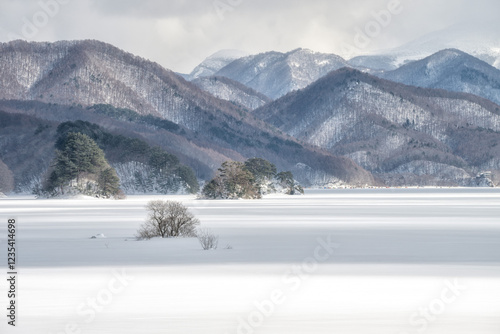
[[207, 239], [168, 219], [146, 232]]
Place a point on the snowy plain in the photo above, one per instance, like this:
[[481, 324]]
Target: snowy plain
[[332, 261]]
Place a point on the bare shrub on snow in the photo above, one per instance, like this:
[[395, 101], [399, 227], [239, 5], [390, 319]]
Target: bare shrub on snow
[[207, 239], [168, 219]]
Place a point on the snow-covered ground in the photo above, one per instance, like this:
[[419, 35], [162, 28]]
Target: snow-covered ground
[[345, 261]]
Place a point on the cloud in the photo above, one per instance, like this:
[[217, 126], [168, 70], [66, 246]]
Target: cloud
[[180, 33]]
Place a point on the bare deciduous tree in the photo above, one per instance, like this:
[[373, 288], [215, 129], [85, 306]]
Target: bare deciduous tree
[[168, 219], [207, 239]]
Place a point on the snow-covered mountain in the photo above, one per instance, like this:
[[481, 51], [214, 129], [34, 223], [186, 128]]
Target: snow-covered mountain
[[452, 70], [230, 90], [275, 74], [91, 72], [403, 134], [65, 81], [374, 64], [479, 39], [215, 62]]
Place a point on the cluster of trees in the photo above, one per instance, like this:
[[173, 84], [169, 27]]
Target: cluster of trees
[[80, 167], [160, 172], [249, 180]]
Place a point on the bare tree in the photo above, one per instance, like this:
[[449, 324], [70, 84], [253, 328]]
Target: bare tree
[[207, 239], [168, 219]]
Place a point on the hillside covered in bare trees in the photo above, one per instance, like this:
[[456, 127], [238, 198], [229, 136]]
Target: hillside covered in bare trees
[[403, 134], [44, 84]]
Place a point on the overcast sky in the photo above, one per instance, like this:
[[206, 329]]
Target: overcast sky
[[179, 34]]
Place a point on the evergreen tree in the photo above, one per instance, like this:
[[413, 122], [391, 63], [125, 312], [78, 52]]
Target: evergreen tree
[[263, 172], [246, 180], [64, 170], [109, 183], [162, 161], [214, 188], [238, 182], [82, 161], [83, 154], [187, 175], [161, 172], [261, 168], [287, 181], [233, 181]]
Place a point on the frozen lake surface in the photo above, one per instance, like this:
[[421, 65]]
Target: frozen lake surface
[[343, 261]]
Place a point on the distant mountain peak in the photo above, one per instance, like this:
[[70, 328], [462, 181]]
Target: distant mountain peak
[[452, 70], [275, 74], [67, 80], [215, 62], [479, 39], [228, 54], [301, 50], [404, 135]]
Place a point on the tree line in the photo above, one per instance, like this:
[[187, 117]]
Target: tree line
[[81, 164]]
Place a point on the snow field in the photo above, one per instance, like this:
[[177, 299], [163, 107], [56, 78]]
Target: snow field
[[405, 261]]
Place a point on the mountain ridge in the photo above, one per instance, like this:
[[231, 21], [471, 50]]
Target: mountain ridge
[[404, 135], [275, 74], [233, 91], [213, 63], [68, 76], [452, 70]]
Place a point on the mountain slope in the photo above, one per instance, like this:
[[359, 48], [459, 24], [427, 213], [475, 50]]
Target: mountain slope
[[374, 63], [404, 135], [479, 39], [451, 70], [215, 62], [90, 72], [230, 90], [275, 74], [28, 145], [68, 79]]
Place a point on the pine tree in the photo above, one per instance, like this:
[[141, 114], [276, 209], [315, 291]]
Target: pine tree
[[261, 168], [109, 183], [233, 181], [287, 181], [187, 175], [162, 161], [84, 154], [246, 180], [263, 172], [81, 158]]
